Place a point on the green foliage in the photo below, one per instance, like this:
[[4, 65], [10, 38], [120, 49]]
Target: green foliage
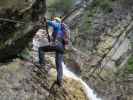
[[87, 20], [130, 65], [96, 7], [25, 54], [104, 5], [60, 6]]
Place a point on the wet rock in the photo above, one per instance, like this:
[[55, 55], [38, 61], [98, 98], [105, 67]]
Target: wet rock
[[21, 80]]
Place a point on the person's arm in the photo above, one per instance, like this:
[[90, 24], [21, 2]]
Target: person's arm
[[51, 23]]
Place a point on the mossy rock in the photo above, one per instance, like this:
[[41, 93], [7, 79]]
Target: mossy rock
[[71, 90], [22, 80]]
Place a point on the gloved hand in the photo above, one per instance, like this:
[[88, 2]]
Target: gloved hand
[[66, 47]]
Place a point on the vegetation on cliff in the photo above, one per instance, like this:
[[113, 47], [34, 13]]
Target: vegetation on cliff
[[22, 80], [101, 35], [15, 36]]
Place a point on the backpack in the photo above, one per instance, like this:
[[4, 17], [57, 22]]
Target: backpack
[[66, 31]]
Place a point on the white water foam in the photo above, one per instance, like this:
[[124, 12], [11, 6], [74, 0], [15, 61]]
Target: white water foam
[[89, 92]]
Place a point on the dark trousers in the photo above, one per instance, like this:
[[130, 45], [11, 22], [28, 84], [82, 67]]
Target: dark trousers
[[59, 50]]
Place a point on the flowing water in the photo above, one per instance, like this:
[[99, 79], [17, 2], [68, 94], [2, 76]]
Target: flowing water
[[89, 92], [39, 41]]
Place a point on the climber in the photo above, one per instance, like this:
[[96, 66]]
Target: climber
[[58, 42]]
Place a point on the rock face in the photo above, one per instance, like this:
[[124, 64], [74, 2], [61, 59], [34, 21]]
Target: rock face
[[102, 46], [102, 34], [15, 35], [21, 80]]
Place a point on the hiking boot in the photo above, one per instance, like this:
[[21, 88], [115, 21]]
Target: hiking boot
[[38, 64], [59, 83]]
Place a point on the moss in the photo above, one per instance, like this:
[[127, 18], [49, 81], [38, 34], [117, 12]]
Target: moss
[[25, 54], [23, 78], [130, 65], [104, 5], [97, 6], [87, 20], [72, 90], [60, 6]]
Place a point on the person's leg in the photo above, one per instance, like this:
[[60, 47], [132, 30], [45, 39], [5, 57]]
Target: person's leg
[[42, 50], [59, 60], [41, 55]]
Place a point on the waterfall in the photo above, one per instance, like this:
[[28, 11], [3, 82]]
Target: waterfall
[[89, 92]]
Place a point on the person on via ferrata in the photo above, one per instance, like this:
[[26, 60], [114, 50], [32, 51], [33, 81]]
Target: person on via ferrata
[[58, 43]]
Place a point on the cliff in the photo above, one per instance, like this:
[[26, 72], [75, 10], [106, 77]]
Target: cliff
[[101, 52], [102, 46], [18, 23]]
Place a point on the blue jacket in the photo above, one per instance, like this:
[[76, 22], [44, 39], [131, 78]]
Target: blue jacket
[[57, 28]]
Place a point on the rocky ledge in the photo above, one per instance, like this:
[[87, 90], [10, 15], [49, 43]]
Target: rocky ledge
[[21, 80]]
